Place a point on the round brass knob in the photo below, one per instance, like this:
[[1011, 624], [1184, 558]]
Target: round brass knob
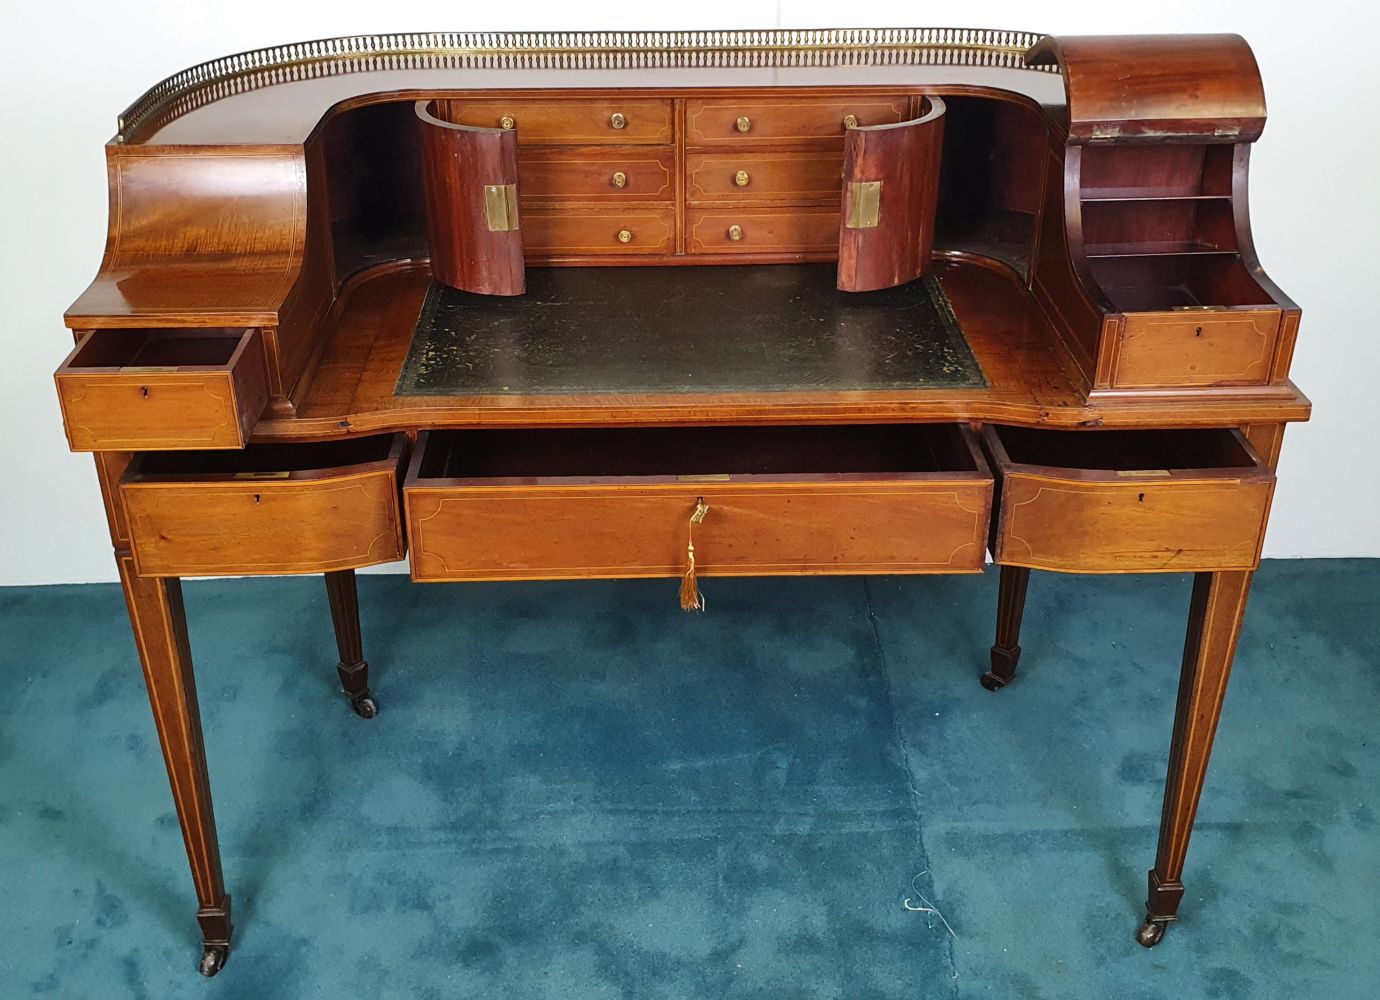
[[741, 178], [625, 236], [744, 123], [850, 121], [620, 179], [617, 120], [506, 122], [735, 233]]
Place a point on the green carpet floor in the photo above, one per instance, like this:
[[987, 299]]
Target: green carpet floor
[[577, 791]]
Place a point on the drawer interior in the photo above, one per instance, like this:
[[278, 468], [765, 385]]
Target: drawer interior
[[157, 349], [279, 460], [679, 453], [1127, 450]]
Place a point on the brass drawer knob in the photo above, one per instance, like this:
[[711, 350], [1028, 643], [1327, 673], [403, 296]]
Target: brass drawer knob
[[507, 121], [741, 178], [735, 232], [620, 179], [850, 121], [625, 236], [744, 123], [617, 120]]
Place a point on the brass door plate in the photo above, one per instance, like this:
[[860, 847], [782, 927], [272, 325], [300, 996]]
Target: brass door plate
[[500, 207], [864, 204]]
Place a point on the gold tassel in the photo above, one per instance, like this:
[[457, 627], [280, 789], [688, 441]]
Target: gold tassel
[[690, 597]]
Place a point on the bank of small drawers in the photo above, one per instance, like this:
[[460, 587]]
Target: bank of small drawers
[[1128, 501], [269, 509], [509, 505]]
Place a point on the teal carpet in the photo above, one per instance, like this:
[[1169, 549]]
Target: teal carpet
[[577, 791]]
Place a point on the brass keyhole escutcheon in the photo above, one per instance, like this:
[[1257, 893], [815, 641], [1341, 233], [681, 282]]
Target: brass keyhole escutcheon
[[850, 121], [145, 390], [617, 120], [741, 178], [735, 233], [620, 179], [744, 123], [625, 236], [507, 121], [1198, 332]]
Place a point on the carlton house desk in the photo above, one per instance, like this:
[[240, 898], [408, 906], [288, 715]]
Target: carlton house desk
[[686, 304]]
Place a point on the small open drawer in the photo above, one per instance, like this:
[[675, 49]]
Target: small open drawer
[[553, 504], [269, 509], [150, 390], [1128, 501]]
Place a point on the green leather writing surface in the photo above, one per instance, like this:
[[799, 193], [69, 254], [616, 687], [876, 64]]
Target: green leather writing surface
[[755, 328]]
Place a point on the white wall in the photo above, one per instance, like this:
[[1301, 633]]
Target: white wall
[[67, 69]]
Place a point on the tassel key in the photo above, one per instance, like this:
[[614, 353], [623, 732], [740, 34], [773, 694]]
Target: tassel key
[[690, 597]]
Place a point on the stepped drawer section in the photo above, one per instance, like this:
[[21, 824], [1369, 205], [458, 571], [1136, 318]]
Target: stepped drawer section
[[269, 509], [147, 390], [1128, 501], [562, 504]]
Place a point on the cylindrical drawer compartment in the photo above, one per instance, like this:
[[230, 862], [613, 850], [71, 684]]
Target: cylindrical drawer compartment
[[1128, 501], [150, 390], [266, 510], [562, 504]]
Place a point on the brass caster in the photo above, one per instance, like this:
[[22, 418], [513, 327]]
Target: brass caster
[[992, 682], [213, 959], [1151, 932], [365, 706]]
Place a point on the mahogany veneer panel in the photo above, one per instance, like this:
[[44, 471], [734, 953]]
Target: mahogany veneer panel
[[564, 232], [587, 175], [1208, 348], [1128, 501], [123, 390], [270, 509], [762, 230], [799, 177], [571, 121], [621, 508], [804, 120]]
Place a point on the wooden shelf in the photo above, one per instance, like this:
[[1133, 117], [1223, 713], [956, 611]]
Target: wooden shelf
[[1170, 248]]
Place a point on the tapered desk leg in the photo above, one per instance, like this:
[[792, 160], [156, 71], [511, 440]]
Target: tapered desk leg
[[353, 670], [1214, 624], [1006, 653], [160, 632]]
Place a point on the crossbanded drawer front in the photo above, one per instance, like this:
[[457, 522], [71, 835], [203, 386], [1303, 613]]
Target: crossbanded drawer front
[[726, 121], [573, 232], [191, 517], [596, 175], [534, 527], [1209, 515], [1195, 348], [750, 177], [572, 122], [149, 390], [813, 231]]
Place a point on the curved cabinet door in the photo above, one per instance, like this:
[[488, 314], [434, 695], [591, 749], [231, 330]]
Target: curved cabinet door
[[890, 189], [472, 224]]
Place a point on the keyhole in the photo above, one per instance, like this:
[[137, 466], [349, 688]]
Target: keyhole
[[1141, 498], [145, 390], [256, 497], [1198, 332]]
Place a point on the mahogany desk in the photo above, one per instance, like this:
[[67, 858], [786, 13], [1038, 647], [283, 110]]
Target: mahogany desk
[[1077, 205]]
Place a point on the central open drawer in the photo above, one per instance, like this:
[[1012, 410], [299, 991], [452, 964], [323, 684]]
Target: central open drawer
[[559, 504]]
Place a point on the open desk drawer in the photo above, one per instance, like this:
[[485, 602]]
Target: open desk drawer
[[520, 504], [269, 509], [152, 390], [1128, 501]]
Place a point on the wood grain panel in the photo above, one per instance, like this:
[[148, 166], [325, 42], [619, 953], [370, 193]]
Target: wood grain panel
[[587, 175], [803, 119], [128, 390], [1195, 348], [571, 231], [312, 521], [795, 177], [1129, 520], [556, 120], [763, 230]]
